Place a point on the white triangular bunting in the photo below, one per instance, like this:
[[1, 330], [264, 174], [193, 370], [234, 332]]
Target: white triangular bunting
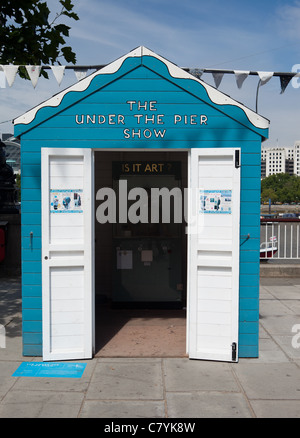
[[10, 73], [34, 73], [80, 73], [264, 76], [58, 72], [2, 79], [240, 76]]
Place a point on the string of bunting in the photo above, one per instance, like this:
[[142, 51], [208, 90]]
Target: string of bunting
[[8, 74], [241, 76]]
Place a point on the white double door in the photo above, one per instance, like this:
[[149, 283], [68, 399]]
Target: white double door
[[68, 254]]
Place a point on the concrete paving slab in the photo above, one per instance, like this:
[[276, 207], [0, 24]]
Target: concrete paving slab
[[13, 349], [122, 409], [276, 408], [51, 384], [262, 333], [286, 345], [279, 324], [265, 357], [269, 352], [278, 381], [41, 404], [126, 380], [6, 381], [207, 405], [282, 292], [293, 304], [273, 308], [129, 360], [190, 375], [264, 293]]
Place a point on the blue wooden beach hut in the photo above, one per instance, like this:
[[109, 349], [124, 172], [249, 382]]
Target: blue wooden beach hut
[[144, 121]]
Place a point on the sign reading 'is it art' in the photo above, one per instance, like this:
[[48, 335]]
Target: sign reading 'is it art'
[[141, 114]]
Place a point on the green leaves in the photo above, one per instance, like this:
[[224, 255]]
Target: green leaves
[[68, 54], [27, 37], [68, 6], [62, 29], [281, 187]]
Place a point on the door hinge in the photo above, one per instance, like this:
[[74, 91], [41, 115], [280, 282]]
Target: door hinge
[[233, 351], [237, 159]]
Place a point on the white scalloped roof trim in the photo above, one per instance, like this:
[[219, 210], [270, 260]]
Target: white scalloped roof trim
[[82, 85], [215, 95]]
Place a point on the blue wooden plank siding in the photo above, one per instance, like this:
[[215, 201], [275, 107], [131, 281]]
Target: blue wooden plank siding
[[144, 81]]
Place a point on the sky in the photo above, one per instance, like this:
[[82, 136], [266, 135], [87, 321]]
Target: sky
[[233, 34]]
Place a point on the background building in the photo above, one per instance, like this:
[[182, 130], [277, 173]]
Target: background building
[[280, 160], [297, 158]]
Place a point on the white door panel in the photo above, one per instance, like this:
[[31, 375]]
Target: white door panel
[[213, 256], [67, 247]]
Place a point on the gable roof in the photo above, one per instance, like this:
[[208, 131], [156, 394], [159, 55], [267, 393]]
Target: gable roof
[[142, 56]]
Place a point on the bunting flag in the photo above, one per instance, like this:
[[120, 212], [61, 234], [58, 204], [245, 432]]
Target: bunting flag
[[240, 76], [197, 72], [2, 79], [284, 82], [217, 78], [34, 73], [265, 76], [58, 72], [10, 73], [80, 73]]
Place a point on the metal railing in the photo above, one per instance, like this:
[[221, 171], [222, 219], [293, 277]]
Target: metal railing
[[280, 240]]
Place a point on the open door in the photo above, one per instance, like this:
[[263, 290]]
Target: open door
[[67, 253], [213, 255]]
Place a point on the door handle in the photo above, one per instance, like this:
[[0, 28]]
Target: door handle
[[46, 257]]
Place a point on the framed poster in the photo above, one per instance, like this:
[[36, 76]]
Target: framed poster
[[66, 201], [215, 201]]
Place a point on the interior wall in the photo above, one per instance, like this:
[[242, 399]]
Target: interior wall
[[103, 232]]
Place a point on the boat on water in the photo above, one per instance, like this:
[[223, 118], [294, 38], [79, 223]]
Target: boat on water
[[268, 249]]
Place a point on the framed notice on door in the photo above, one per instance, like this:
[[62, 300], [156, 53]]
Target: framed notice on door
[[215, 201], [66, 201]]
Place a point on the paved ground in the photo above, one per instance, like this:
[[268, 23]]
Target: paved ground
[[164, 387]]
